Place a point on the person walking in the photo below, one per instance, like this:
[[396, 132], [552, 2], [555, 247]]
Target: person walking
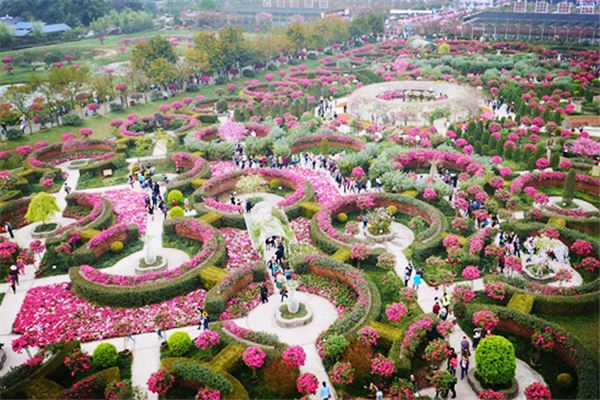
[[446, 301], [283, 292], [12, 283], [264, 293], [452, 388], [205, 321], [464, 345], [9, 229], [452, 361], [416, 281], [436, 307], [464, 366], [324, 392], [476, 337], [14, 272], [407, 273]]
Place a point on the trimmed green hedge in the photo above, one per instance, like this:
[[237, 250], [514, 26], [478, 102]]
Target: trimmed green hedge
[[194, 374]]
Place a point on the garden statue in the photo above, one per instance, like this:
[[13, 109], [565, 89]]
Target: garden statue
[[292, 301], [149, 256]]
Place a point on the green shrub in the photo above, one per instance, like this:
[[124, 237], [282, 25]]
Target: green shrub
[[342, 217], [221, 105], [175, 196], [334, 346], [176, 212], [115, 107], [564, 380], [13, 134], [248, 73], [392, 210], [116, 247], [179, 343], [105, 355], [274, 184], [87, 234], [495, 360], [521, 302], [200, 375], [72, 120]]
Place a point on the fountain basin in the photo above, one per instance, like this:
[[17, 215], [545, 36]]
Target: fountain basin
[[160, 265], [293, 322]]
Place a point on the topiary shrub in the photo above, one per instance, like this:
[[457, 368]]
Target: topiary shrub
[[87, 234], [116, 247], [71, 120], [334, 346], [495, 361], [115, 107], [392, 210], [221, 106], [342, 217], [274, 184], [521, 302], [179, 343], [565, 380], [175, 196], [176, 212], [105, 355]]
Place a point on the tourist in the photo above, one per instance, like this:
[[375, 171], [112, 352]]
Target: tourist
[[324, 392], [446, 301], [159, 333], [129, 338], [452, 388], [416, 281], [283, 292], [407, 273], [151, 212], [12, 283], [464, 345], [9, 229], [377, 391], [436, 307], [205, 321], [66, 188], [287, 271], [279, 279], [162, 206], [264, 293], [452, 361], [443, 314], [14, 272], [476, 337], [464, 366], [280, 253], [130, 178]]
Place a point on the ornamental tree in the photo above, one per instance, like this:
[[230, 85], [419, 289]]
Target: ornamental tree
[[495, 361], [41, 208], [569, 189]]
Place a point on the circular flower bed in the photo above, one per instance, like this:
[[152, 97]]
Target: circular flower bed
[[261, 91], [314, 141], [416, 159], [583, 183], [73, 149], [153, 287], [208, 105], [138, 126], [225, 184], [222, 132]]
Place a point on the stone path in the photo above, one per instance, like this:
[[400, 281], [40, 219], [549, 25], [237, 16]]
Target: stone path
[[581, 204]]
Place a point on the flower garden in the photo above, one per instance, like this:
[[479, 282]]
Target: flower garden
[[402, 230]]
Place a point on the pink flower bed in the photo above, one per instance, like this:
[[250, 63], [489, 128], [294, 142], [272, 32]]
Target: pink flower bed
[[52, 313], [240, 253], [446, 158], [325, 188], [124, 130], [301, 228], [220, 168], [129, 207]]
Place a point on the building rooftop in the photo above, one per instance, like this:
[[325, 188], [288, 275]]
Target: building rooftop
[[554, 18]]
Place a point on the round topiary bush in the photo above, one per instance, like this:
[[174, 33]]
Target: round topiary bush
[[175, 196], [564, 380], [392, 210], [105, 355], [495, 360], [334, 346], [176, 212], [342, 217], [179, 343], [274, 184], [116, 247]]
